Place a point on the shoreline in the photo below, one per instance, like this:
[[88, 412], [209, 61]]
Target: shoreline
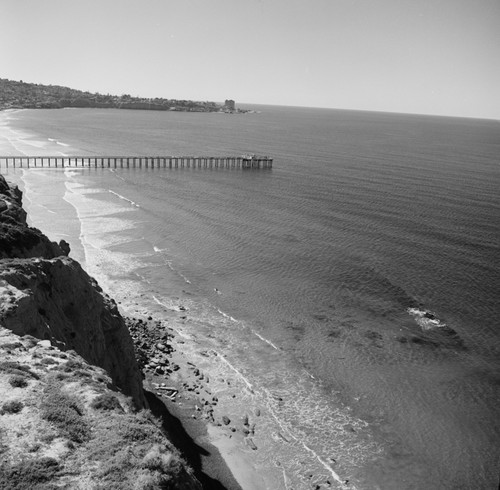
[[227, 464], [190, 396], [250, 468], [219, 458]]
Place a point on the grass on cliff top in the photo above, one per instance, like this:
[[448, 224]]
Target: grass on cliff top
[[132, 452], [15, 368], [66, 429], [65, 412], [31, 473]]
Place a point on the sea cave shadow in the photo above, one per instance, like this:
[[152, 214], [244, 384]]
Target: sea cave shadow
[[191, 451]]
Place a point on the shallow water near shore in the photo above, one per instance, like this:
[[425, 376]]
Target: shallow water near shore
[[351, 290]]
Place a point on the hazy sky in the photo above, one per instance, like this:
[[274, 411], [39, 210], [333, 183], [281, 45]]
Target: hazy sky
[[421, 56]]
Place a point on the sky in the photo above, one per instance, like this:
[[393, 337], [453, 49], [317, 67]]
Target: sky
[[413, 56]]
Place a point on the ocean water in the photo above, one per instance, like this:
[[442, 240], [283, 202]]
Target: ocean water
[[353, 288]]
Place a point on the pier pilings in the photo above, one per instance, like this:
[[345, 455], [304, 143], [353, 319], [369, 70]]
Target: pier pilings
[[229, 162]]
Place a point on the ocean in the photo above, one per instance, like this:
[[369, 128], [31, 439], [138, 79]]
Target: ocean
[[354, 287]]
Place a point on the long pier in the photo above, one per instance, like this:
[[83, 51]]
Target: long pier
[[243, 162]]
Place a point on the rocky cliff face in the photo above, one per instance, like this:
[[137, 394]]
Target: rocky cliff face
[[64, 422], [55, 299], [48, 295]]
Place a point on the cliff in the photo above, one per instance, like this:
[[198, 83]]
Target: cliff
[[16, 238], [48, 295], [61, 426], [70, 386], [55, 299]]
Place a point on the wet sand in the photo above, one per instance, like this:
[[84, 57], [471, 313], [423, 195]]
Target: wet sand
[[184, 377], [209, 409], [217, 452]]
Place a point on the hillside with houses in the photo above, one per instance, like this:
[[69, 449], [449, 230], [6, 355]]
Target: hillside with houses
[[22, 95]]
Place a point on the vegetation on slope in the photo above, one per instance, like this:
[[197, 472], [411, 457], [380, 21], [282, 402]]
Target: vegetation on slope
[[21, 95], [64, 427]]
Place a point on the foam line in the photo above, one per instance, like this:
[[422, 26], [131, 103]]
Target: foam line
[[265, 340], [335, 476], [249, 385], [159, 250], [225, 315], [124, 198]]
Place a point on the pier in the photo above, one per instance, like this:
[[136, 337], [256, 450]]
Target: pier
[[241, 162]]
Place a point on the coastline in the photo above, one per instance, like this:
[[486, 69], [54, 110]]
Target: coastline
[[224, 456], [239, 453], [361, 385]]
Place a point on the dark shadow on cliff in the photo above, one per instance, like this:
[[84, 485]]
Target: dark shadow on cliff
[[191, 451]]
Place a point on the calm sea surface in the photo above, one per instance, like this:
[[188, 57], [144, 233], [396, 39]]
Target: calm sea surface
[[355, 285]]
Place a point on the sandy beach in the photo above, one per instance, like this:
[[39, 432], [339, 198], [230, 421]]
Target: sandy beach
[[192, 389]]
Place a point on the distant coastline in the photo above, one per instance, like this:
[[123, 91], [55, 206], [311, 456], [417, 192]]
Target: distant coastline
[[21, 95]]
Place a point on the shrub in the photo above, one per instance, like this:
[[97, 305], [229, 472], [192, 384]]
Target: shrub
[[35, 447], [28, 474], [66, 413], [11, 345], [157, 460], [71, 365], [48, 360], [18, 381], [106, 402], [11, 367], [13, 406], [48, 437], [82, 374]]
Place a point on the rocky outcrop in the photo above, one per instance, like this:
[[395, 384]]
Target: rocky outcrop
[[16, 238], [55, 299], [70, 385], [48, 295]]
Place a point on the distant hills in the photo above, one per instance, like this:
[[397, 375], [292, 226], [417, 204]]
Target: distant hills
[[21, 95]]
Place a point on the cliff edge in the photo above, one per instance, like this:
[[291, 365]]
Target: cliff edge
[[70, 386], [45, 294]]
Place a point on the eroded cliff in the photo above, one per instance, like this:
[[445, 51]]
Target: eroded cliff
[[70, 386], [48, 295], [56, 300]]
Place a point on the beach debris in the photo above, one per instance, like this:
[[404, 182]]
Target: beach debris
[[250, 443], [245, 420], [226, 420], [282, 436], [170, 389]]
